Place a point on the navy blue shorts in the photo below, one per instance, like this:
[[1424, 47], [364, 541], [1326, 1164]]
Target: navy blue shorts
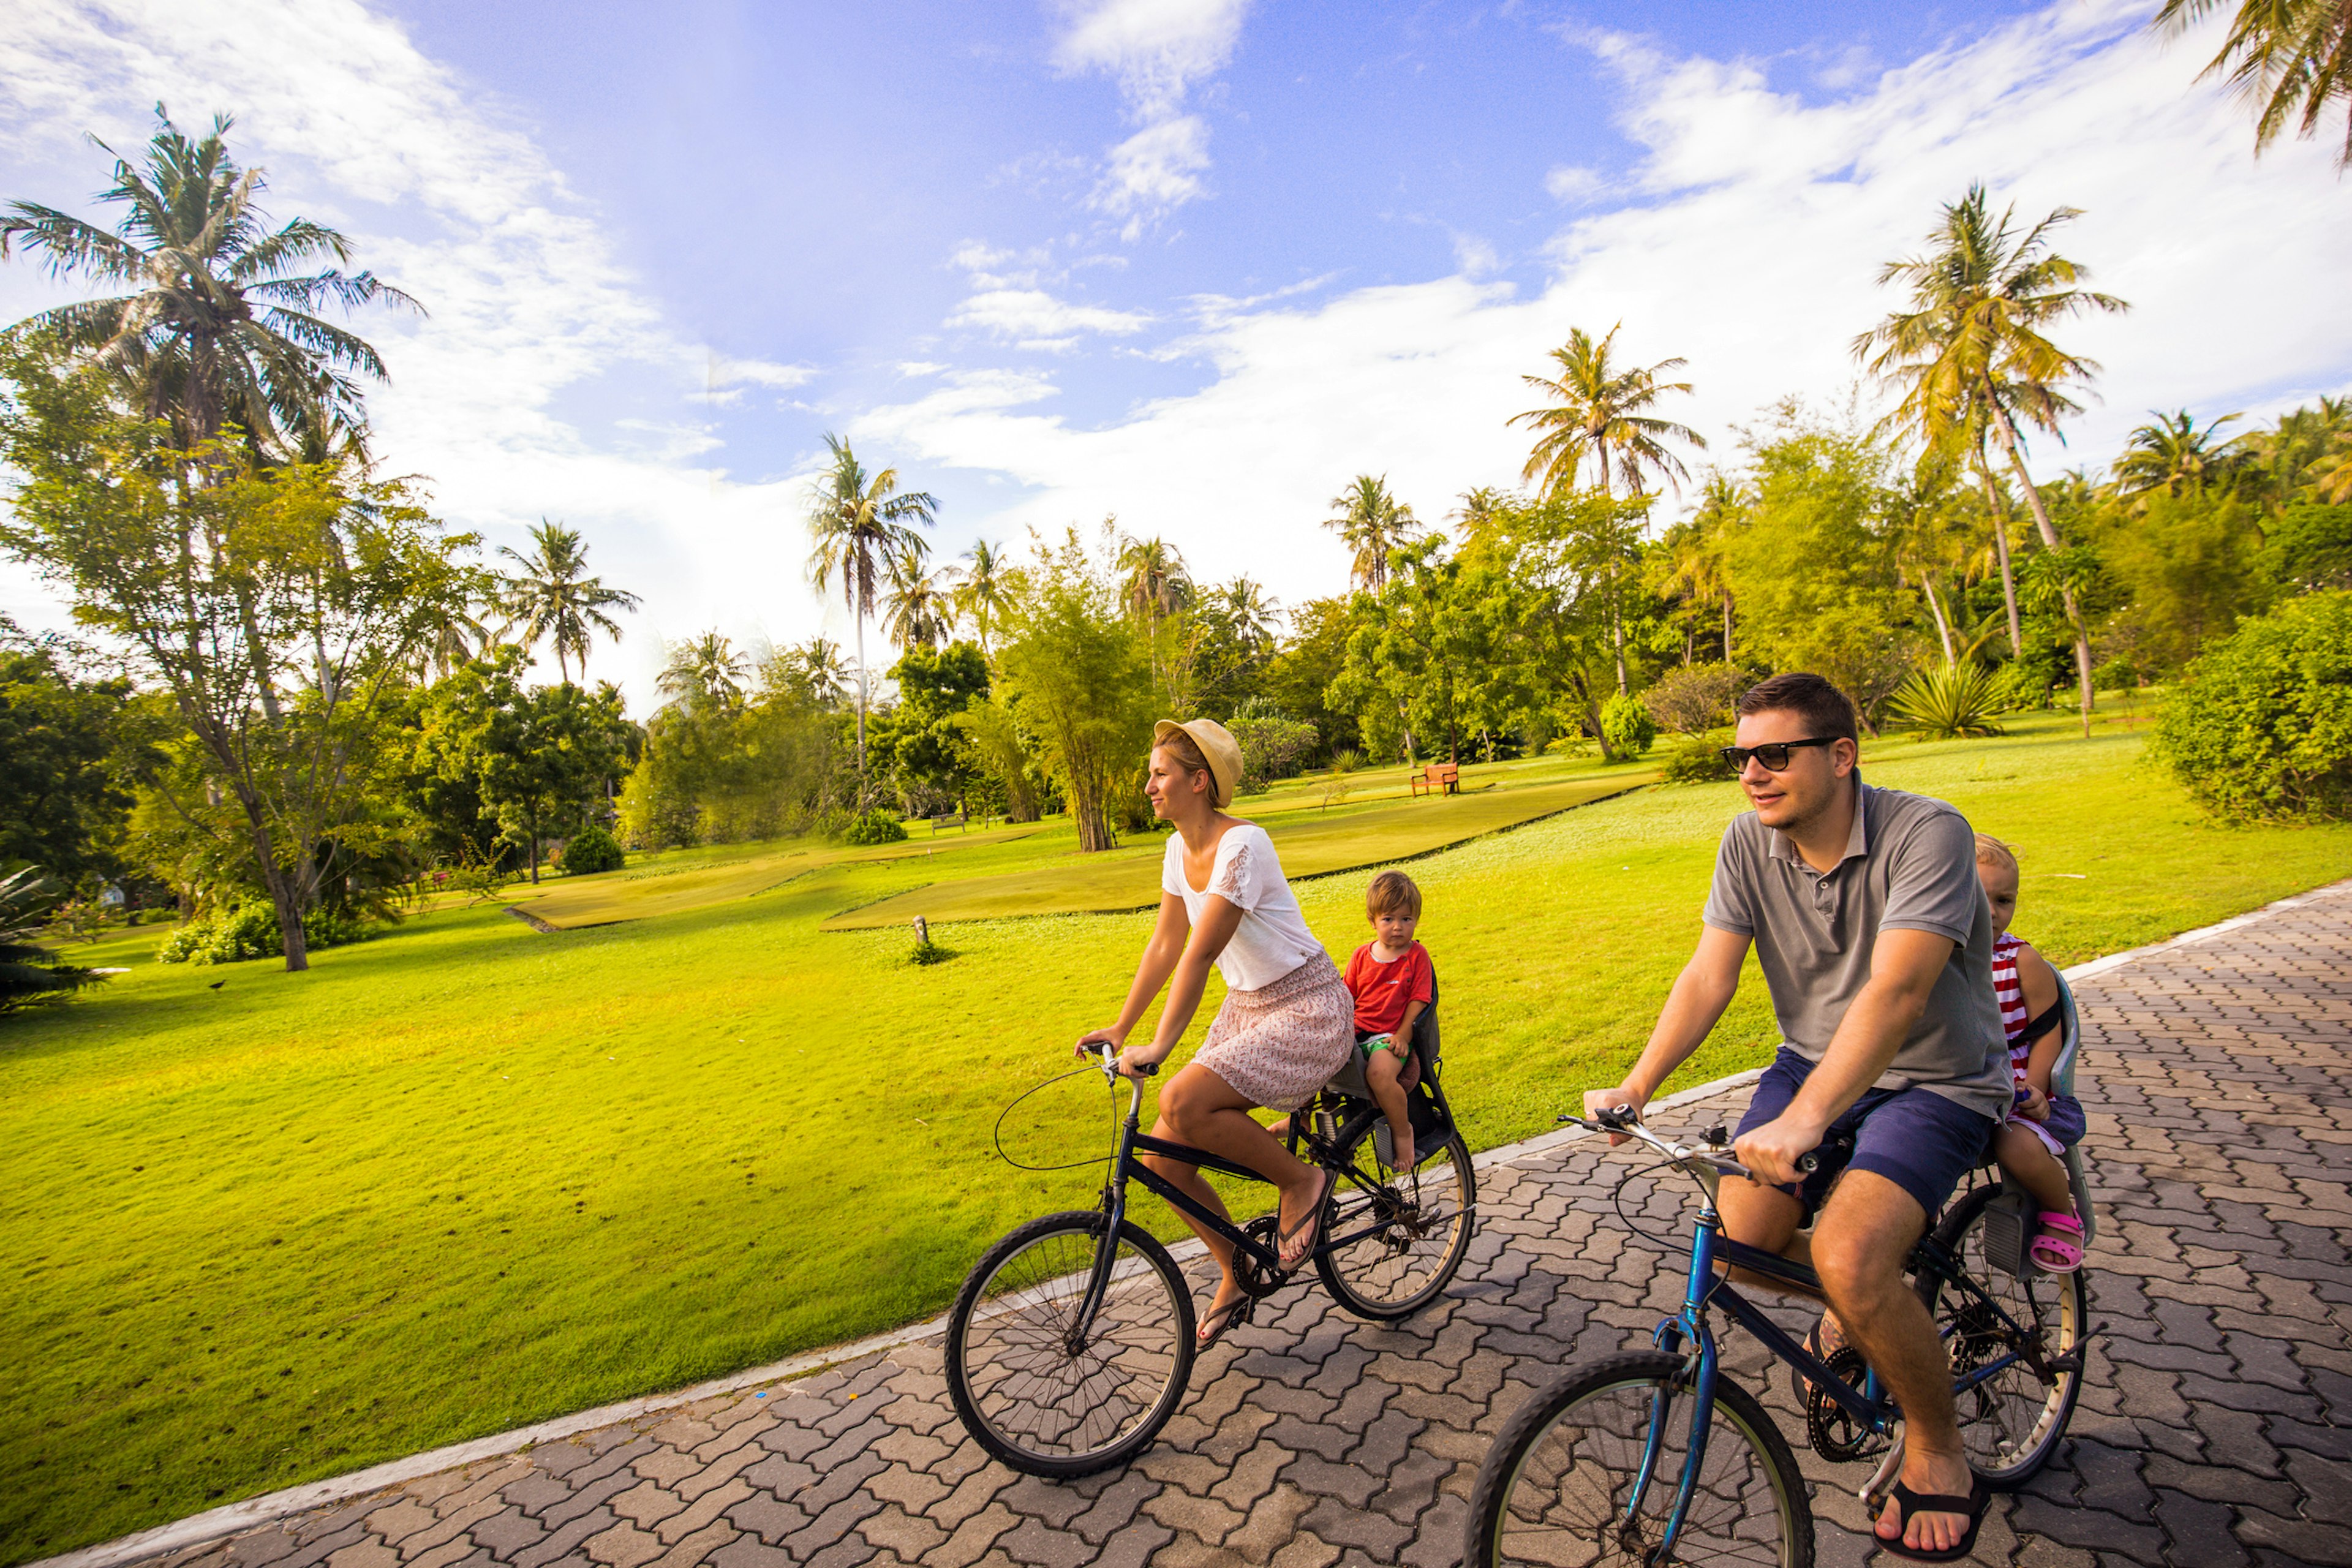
[[1920, 1141]]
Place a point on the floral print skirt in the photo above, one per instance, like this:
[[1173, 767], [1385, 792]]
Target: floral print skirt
[[1277, 1045]]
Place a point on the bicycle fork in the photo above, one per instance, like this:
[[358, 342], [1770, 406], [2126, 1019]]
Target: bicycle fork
[[1691, 1325]]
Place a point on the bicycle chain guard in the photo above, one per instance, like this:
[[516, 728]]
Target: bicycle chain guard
[[1832, 1430], [1256, 1279]]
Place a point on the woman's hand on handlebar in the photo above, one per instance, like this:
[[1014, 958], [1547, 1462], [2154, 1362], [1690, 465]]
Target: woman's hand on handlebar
[[1141, 1062], [1094, 1042]]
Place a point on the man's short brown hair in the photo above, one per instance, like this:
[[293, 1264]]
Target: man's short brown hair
[[1828, 713], [1392, 892]]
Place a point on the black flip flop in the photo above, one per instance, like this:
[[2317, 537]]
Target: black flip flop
[[1311, 1217], [1974, 1505], [1231, 1315], [1798, 1384]]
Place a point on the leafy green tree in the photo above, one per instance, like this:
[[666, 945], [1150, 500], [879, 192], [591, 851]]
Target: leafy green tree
[[1973, 355], [705, 669], [63, 803], [2261, 725], [553, 599], [2281, 57], [277, 606], [541, 756], [219, 328], [2187, 567], [1430, 654], [919, 741], [1600, 414], [2310, 547], [857, 521], [2171, 455], [1074, 664], [1371, 523], [1298, 673]]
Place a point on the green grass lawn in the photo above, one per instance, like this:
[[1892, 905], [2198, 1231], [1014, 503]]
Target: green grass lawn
[[467, 1177]]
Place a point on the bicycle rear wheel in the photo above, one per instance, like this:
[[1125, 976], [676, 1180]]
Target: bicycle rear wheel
[[1417, 1226], [2012, 1423], [1557, 1488], [1036, 1395]]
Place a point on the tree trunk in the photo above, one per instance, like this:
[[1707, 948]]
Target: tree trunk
[[1999, 513], [534, 857], [1943, 626], [2050, 541], [860, 617], [281, 892], [1727, 627]]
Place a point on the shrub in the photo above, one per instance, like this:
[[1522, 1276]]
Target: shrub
[[2261, 725], [1954, 703], [1695, 697], [1273, 747], [877, 825], [1347, 759], [589, 851], [1626, 725], [1698, 759], [249, 932], [32, 974], [2116, 675], [2019, 687]]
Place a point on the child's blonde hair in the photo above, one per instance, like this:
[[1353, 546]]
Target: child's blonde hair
[[1991, 851], [1392, 892]]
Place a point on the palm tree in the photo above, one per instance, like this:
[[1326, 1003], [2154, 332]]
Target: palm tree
[[1253, 616], [982, 591], [1695, 567], [917, 615], [1972, 355], [2306, 443], [1600, 414], [553, 599], [2173, 456], [702, 668], [2280, 54], [1371, 522], [855, 520], [218, 328], [1155, 584], [1480, 509]]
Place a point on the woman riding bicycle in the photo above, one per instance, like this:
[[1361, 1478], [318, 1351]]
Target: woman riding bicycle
[[1286, 1024]]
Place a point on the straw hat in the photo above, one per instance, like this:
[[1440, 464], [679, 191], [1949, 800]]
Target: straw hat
[[1217, 747]]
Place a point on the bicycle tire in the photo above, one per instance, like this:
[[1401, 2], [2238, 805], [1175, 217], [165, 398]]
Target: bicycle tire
[[1394, 1273], [2012, 1424], [1096, 1416], [1538, 1500]]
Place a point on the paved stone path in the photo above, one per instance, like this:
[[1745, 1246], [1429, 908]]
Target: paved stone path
[[2216, 1428]]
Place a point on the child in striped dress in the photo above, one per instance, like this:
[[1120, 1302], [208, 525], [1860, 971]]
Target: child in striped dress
[[2041, 1126]]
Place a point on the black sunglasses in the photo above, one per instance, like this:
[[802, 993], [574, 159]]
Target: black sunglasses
[[1773, 754]]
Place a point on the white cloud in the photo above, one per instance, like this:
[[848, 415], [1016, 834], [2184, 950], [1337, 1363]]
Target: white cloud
[[1572, 182], [1762, 223], [1032, 319], [459, 207], [1158, 50]]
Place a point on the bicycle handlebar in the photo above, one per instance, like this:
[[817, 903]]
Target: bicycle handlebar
[[1626, 1122], [1110, 1065]]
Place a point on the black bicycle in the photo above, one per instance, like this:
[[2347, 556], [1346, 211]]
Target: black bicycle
[[1071, 1342], [1654, 1457]]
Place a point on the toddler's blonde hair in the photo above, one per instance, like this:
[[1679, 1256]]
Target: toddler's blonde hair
[[1393, 891], [1991, 851]]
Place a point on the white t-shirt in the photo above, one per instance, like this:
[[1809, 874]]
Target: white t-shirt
[[1273, 939]]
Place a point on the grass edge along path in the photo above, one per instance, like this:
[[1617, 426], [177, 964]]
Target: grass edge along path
[[464, 1178]]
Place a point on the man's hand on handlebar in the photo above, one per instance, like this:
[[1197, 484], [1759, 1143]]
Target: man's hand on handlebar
[[1597, 1101], [1774, 1152]]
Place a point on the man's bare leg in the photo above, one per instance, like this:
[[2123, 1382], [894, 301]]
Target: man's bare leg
[[1864, 1234], [1766, 1218]]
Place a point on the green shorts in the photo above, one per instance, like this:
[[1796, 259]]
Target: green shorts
[[1373, 1045]]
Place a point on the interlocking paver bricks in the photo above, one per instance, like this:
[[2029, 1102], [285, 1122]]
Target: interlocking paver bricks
[[2215, 1428]]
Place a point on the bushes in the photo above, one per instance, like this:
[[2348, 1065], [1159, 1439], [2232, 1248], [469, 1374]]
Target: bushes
[[1626, 725], [589, 851], [877, 825], [1695, 697], [1272, 747], [2261, 726], [1955, 702], [250, 931], [1698, 759]]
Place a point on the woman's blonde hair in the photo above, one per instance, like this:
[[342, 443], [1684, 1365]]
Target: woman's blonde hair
[[1991, 851]]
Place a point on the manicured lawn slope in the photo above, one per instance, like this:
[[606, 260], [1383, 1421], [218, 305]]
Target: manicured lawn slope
[[467, 1176]]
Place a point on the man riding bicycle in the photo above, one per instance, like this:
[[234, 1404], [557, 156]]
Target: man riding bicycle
[[1872, 931]]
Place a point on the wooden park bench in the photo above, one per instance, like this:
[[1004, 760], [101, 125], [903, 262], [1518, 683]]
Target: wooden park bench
[[955, 819], [1438, 778]]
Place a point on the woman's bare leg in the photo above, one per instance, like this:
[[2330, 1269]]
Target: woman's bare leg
[[1203, 1109]]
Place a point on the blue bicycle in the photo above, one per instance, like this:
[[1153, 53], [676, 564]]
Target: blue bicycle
[[1654, 1456]]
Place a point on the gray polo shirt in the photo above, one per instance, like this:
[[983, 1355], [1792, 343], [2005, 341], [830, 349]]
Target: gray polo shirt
[[1910, 865]]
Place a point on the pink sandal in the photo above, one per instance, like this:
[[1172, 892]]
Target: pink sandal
[[2057, 1246]]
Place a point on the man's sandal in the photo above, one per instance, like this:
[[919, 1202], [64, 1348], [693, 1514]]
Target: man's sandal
[[2057, 1246], [1231, 1315], [1298, 1240], [1974, 1505]]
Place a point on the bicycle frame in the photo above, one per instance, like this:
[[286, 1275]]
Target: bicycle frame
[[1705, 1288], [1126, 1165]]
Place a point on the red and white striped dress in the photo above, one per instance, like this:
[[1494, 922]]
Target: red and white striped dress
[[2010, 992]]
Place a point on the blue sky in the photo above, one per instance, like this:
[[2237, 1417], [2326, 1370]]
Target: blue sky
[[1195, 262]]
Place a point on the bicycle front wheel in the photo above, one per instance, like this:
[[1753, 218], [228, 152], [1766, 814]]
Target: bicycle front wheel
[[1042, 1393], [1409, 1232], [2011, 1422], [1559, 1488]]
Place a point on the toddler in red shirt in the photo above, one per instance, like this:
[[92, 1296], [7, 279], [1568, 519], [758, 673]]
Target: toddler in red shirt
[[1392, 979]]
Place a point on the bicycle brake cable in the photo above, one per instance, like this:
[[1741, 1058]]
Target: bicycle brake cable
[[998, 1135]]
